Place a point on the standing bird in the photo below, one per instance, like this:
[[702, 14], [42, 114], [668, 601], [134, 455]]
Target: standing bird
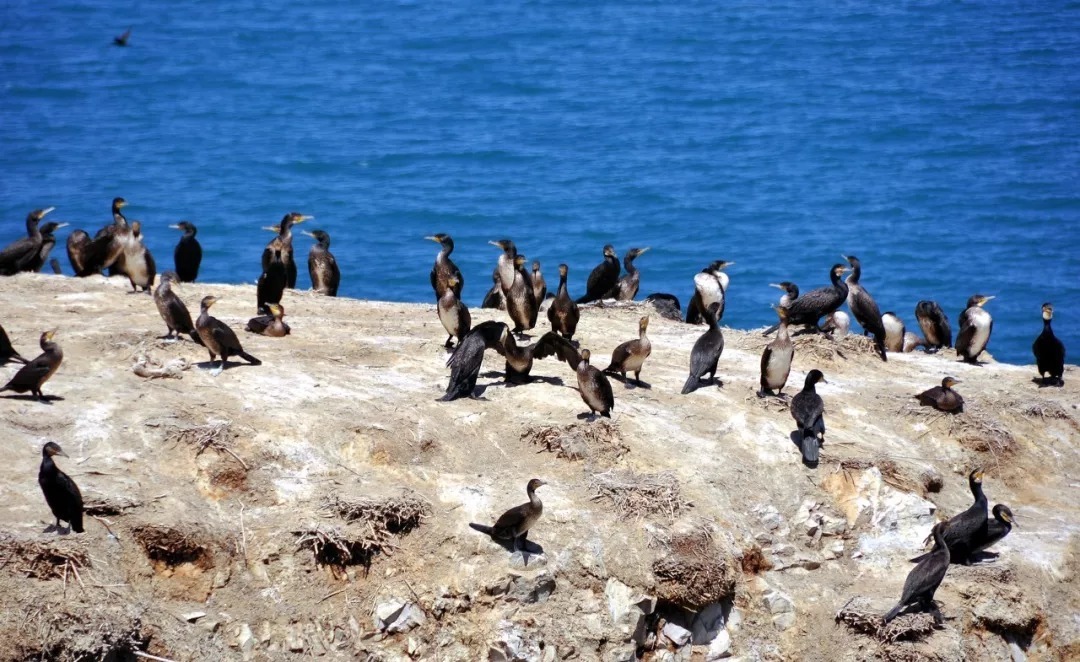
[[516, 287], [808, 410], [943, 398], [7, 351], [272, 281], [122, 40], [467, 358], [453, 314], [61, 493], [515, 523], [603, 277], [630, 356], [894, 332], [173, 311], [322, 267], [791, 292], [996, 529], [20, 252], [138, 262], [710, 286], [706, 352], [539, 285], [106, 250], [445, 268], [269, 325], [864, 308], [35, 373], [1049, 351], [809, 308], [975, 328], [776, 359], [594, 386], [284, 230], [563, 312], [629, 284], [48, 241], [188, 253], [923, 580], [964, 531], [218, 338], [494, 298], [934, 324]]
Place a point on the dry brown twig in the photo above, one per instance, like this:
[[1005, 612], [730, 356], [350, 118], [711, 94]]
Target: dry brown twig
[[211, 435], [636, 495]]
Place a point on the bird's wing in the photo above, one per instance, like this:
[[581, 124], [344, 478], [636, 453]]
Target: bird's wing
[[606, 394], [511, 518], [70, 487], [552, 344], [32, 372], [224, 335], [179, 313], [260, 323], [621, 353]]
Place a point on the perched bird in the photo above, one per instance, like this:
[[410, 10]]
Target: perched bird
[[274, 278], [776, 359], [494, 298], [515, 523], [790, 292], [517, 289], [138, 262], [706, 352], [630, 355], [934, 324], [594, 386], [1049, 351], [122, 40], [16, 255], [837, 324], [61, 493], [519, 358], [218, 338], [924, 579], [106, 249], [187, 256], [894, 332], [32, 376], [530, 300], [808, 410], [34, 262], [809, 308], [444, 267], [627, 286], [864, 308], [666, 305], [173, 311], [943, 398], [964, 531], [453, 314], [710, 286], [467, 358], [563, 312], [603, 277], [269, 325], [996, 529], [539, 285], [975, 328], [7, 351], [322, 267], [284, 232]]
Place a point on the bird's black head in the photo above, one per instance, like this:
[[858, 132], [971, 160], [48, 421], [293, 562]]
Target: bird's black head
[[1002, 512], [46, 338], [519, 261], [975, 477], [949, 382], [441, 238], [186, 227], [852, 260], [609, 251], [51, 227], [718, 265], [837, 271], [815, 376], [787, 286], [293, 218], [563, 270], [208, 301], [35, 216], [320, 236], [52, 448], [169, 277], [118, 204], [535, 483], [634, 252], [506, 245], [978, 300], [1047, 311]]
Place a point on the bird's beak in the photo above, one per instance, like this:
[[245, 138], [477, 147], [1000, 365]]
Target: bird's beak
[[303, 217], [432, 238], [728, 264], [271, 228], [1012, 520], [985, 299], [776, 285], [957, 381], [174, 226], [62, 225], [46, 211], [61, 453], [644, 250], [496, 244], [307, 233], [846, 258]]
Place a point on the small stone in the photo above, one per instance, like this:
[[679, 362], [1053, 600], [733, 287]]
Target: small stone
[[127, 456], [708, 623], [781, 607], [413, 647], [193, 616], [245, 640], [734, 620], [354, 625], [835, 550], [676, 634], [294, 641], [804, 511], [771, 521], [720, 647]]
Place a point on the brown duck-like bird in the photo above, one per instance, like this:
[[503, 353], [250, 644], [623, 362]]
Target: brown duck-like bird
[[61, 493], [172, 310], [515, 523], [453, 314], [776, 359], [7, 351], [943, 398], [563, 312], [630, 282], [444, 267], [322, 266], [218, 338], [594, 386], [270, 325], [284, 230], [20, 252], [923, 580], [630, 356], [34, 374]]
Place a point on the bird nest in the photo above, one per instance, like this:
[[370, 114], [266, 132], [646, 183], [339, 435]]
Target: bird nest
[[578, 441], [860, 615], [43, 559], [75, 632], [973, 428], [637, 495], [218, 436], [171, 547], [820, 348], [336, 548], [926, 481], [692, 571]]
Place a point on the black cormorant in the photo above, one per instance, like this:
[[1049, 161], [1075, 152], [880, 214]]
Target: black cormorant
[[515, 523], [943, 398], [16, 255], [710, 286], [776, 359], [322, 267], [35, 373], [61, 493], [790, 293], [173, 311], [602, 278], [864, 308], [630, 356], [270, 324], [1049, 351], [627, 287], [218, 338], [539, 285], [284, 230], [996, 529], [272, 281], [924, 579], [48, 241], [808, 410], [444, 267], [563, 312], [934, 324], [964, 530], [666, 305], [706, 352], [453, 314], [468, 356], [188, 253], [809, 308], [494, 298], [976, 325], [7, 351], [122, 40]]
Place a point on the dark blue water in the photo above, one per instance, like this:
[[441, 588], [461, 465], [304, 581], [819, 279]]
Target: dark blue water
[[938, 141]]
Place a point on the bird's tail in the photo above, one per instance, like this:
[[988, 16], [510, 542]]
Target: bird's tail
[[919, 558], [691, 384], [810, 447], [771, 329], [879, 345], [249, 358], [76, 523], [482, 528], [606, 414], [195, 338], [893, 612]]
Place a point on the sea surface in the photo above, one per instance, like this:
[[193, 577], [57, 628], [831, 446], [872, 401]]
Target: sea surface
[[937, 141]]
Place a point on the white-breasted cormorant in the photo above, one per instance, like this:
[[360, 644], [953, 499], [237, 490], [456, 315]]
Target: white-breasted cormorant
[[630, 356], [187, 256], [943, 398], [710, 286], [35, 373], [20, 252], [453, 313], [705, 355], [61, 493], [1049, 351], [629, 283], [934, 324], [808, 410], [837, 324], [322, 266], [976, 325], [602, 278], [515, 523], [444, 267], [271, 324], [923, 580], [894, 332], [173, 311], [138, 262], [218, 338], [864, 308], [776, 359], [563, 312]]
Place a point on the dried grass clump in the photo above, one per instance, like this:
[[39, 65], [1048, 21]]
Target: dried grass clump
[[578, 441], [172, 547], [692, 572], [42, 559], [637, 495], [396, 515], [860, 615], [822, 349], [218, 436], [332, 547], [64, 633]]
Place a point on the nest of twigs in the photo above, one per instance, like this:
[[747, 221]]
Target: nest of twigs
[[396, 515], [973, 428], [65, 633], [860, 615], [819, 348], [172, 547], [692, 571], [218, 436], [578, 441], [333, 547], [41, 559], [637, 495]]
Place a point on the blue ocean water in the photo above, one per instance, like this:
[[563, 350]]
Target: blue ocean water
[[938, 141]]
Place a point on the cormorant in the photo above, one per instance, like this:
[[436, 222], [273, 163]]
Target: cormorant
[[563, 312], [517, 289], [710, 285], [138, 262], [113, 239], [912, 341], [964, 531], [924, 579], [630, 356], [808, 410], [218, 338], [666, 305], [594, 386], [494, 298], [943, 398], [934, 324], [539, 285], [20, 252], [809, 308], [602, 278], [837, 324], [790, 293], [864, 307], [271, 285], [627, 287], [453, 314], [976, 325], [32, 376], [188, 253], [172, 310], [61, 493], [122, 40], [894, 332], [48, 241], [322, 267], [519, 358], [7, 351], [530, 295], [1049, 351], [270, 325], [515, 523], [284, 230], [776, 359], [444, 267], [996, 529], [467, 358], [706, 352]]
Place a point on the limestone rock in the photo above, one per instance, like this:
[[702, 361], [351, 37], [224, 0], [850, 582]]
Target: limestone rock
[[677, 634], [627, 609], [397, 616], [782, 608]]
